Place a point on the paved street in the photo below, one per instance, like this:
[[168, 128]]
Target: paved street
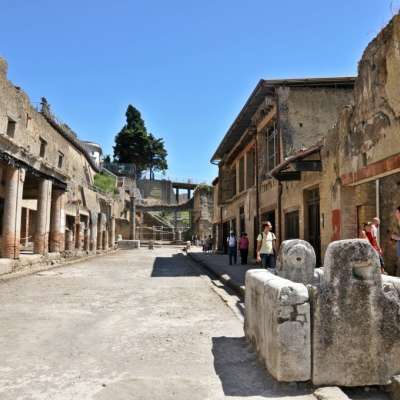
[[133, 325]]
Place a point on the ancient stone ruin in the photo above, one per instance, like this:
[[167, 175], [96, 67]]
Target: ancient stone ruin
[[339, 325]]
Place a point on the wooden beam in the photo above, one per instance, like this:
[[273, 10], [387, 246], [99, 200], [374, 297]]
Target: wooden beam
[[288, 176], [307, 165]]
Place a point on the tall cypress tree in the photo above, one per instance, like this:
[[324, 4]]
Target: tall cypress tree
[[132, 141], [134, 145]]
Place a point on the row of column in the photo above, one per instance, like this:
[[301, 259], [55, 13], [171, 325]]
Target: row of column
[[50, 234]]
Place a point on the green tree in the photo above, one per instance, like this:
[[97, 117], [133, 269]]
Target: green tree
[[157, 156], [132, 141], [134, 145]]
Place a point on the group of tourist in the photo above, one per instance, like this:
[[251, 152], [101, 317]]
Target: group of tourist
[[266, 243], [266, 247]]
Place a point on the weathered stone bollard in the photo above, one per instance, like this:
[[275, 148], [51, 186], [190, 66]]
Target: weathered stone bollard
[[296, 261], [356, 325], [277, 323]]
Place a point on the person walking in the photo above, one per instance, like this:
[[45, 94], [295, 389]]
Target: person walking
[[232, 247], [396, 237], [266, 246], [376, 222], [244, 248], [209, 244], [369, 235]]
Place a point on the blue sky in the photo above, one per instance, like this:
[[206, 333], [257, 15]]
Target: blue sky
[[188, 66]]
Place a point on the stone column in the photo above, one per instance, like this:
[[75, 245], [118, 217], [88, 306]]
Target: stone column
[[14, 185], [132, 225], [86, 243], [57, 224], [25, 227], [93, 232], [41, 241], [78, 233], [177, 196], [99, 232], [112, 232], [70, 240], [106, 239]]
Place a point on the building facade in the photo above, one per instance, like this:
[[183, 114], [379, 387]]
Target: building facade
[[327, 155], [280, 119], [48, 202]]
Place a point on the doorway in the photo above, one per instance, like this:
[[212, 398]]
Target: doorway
[[292, 225], [313, 230]]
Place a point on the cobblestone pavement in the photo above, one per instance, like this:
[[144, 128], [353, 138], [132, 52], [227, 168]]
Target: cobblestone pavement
[[132, 325]]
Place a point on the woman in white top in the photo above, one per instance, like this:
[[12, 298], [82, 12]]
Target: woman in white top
[[266, 246]]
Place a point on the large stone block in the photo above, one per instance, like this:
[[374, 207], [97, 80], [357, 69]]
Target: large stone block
[[296, 261], [254, 321], [277, 322], [356, 325]]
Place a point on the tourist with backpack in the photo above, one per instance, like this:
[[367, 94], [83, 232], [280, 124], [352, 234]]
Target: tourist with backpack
[[266, 246], [232, 247], [244, 247]]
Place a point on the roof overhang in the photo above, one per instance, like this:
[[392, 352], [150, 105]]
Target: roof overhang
[[293, 166], [261, 91]]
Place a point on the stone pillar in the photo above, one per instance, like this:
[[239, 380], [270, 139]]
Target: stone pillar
[[14, 185], [41, 240], [132, 225], [106, 239], [69, 240], [57, 224], [112, 232], [25, 227], [93, 231], [177, 196], [78, 233], [99, 232], [86, 241], [189, 192]]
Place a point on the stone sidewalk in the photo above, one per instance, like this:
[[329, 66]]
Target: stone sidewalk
[[218, 264]]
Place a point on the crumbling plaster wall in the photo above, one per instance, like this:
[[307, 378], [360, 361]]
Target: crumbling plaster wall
[[306, 114], [374, 122], [32, 125], [203, 209]]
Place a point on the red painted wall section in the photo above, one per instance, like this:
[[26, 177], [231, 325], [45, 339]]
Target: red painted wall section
[[335, 224]]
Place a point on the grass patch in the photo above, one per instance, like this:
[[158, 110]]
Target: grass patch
[[105, 183]]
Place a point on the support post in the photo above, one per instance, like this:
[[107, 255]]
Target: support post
[[14, 184], [93, 231], [112, 232], [132, 225], [57, 224], [41, 242], [25, 227]]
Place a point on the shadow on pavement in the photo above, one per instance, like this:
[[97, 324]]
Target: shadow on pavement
[[171, 267], [242, 375]]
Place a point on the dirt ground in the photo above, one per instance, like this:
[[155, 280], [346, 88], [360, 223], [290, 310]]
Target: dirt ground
[[133, 325]]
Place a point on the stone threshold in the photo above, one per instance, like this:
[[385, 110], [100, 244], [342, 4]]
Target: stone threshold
[[29, 264]]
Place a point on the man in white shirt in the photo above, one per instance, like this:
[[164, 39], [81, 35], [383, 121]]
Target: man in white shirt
[[375, 228], [266, 246], [232, 247]]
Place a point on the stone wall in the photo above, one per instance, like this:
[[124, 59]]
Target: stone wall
[[307, 113], [42, 160], [203, 210]]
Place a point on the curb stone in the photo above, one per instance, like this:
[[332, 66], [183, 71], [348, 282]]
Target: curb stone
[[224, 278]]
